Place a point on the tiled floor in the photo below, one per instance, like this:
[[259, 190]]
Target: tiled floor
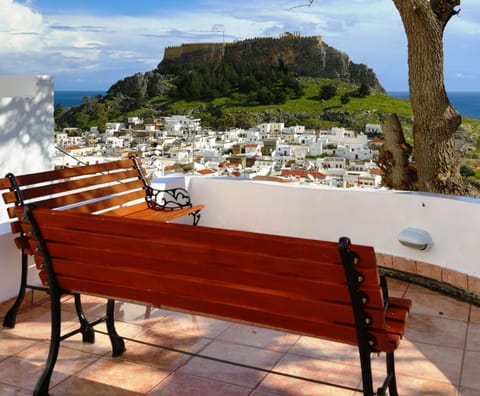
[[440, 354]]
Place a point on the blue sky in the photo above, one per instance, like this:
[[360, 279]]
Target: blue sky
[[90, 44]]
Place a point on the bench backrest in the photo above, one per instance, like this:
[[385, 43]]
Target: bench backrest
[[84, 189], [294, 284]]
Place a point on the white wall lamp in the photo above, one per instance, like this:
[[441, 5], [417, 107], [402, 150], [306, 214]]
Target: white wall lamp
[[415, 238]]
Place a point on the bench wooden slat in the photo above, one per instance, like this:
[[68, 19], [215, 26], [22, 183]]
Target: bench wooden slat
[[92, 194], [192, 251], [32, 193], [108, 203], [42, 177]]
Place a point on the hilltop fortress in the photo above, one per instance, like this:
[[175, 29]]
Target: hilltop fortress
[[174, 52], [308, 56]]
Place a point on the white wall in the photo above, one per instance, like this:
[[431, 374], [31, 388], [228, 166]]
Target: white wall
[[26, 145], [368, 217]]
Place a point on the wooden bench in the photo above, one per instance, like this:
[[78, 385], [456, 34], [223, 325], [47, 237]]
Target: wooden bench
[[316, 288], [116, 188]]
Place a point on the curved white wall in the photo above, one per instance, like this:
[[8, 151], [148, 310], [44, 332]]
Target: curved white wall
[[26, 145], [369, 217]]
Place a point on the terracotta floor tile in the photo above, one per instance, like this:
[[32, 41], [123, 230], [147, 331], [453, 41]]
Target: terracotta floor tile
[[396, 287], [22, 373], [475, 314], [185, 385], [424, 361], [192, 324], [35, 323], [162, 358], [473, 337], [130, 312], [6, 390], [260, 393], [471, 370], [102, 345], [230, 373], [69, 361], [89, 304], [326, 350], [259, 337], [468, 392], [438, 305], [75, 386], [435, 330], [151, 316], [124, 375], [410, 386], [420, 289], [11, 345], [315, 369]]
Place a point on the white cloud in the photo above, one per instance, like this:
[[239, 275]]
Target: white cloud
[[20, 27]]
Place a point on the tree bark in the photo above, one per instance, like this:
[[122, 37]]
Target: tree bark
[[435, 119], [394, 157]]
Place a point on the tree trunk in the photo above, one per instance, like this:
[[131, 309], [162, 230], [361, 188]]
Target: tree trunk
[[435, 120], [394, 157]]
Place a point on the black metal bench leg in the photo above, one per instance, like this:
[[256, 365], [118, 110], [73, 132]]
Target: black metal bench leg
[[118, 345], [392, 387], [88, 335], [366, 365], [41, 389], [11, 316]]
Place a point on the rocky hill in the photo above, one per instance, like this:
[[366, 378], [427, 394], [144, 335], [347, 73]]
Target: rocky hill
[[306, 56]]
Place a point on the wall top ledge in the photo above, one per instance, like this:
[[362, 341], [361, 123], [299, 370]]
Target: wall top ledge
[[19, 86]]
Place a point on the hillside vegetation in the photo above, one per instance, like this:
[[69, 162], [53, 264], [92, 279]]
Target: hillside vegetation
[[293, 100]]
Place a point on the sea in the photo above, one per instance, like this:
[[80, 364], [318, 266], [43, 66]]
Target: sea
[[467, 103], [73, 98]]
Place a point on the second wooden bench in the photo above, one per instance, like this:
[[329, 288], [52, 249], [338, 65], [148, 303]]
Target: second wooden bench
[[117, 188]]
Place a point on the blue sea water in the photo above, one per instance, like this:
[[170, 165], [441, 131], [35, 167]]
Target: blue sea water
[[466, 103], [73, 98]]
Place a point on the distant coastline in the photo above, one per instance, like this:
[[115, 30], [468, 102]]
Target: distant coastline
[[73, 98], [467, 103]]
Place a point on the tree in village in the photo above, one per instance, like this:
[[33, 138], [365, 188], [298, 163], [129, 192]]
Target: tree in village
[[436, 167]]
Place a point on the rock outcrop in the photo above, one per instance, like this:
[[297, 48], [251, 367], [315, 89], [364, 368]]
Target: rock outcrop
[[307, 56]]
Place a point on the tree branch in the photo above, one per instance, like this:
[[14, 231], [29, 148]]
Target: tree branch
[[444, 9], [310, 2]]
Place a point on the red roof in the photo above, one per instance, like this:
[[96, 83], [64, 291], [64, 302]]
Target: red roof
[[205, 172], [303, 173]]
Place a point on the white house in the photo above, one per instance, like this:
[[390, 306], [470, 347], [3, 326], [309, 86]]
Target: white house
[[112, 127], [342, 136], [292, 130], [135, 121], [373, 129], [332, 166], [180, 125], [354, 152]]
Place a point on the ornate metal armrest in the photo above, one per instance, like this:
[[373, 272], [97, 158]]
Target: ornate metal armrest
[[171, 199]]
